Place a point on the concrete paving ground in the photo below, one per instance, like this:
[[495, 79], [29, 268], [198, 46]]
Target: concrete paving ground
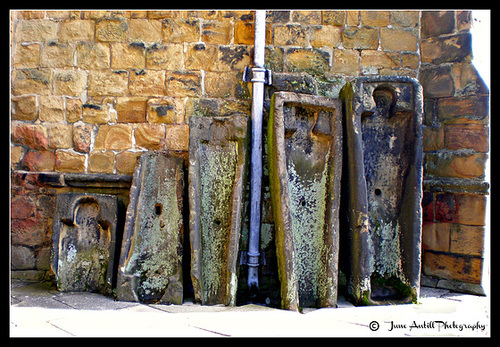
[[38, 311]]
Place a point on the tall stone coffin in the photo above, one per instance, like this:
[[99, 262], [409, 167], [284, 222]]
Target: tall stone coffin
[[382, 189], [150, 268], [305, 161], [83, 242], [217, 175]]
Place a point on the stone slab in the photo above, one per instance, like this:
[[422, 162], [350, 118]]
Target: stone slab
[[151, 254], [85, 232], [305, 161], [382, 189], [217, 174]]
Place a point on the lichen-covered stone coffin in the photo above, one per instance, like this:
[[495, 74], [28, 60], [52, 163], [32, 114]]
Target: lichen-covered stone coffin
[[382, 189], [150, 268], [217, 173], [305, 162], [83, 242]]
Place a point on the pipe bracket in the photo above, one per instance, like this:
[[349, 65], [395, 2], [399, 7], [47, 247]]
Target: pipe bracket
[[257, 74]]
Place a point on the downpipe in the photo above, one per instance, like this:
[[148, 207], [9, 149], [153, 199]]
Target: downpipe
[[258, 79]]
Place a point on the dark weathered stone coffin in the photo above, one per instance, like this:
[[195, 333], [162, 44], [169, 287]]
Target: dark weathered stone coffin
[[305, 162], [151, 254], [217, 174], [84, 242], [382, 189]]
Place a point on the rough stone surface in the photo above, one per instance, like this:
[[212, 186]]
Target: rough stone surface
[[383, 189], [217, 176], [305, 141], [85, 232], [150, 268]]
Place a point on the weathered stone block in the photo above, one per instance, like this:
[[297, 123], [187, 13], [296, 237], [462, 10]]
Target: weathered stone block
[[449, 266], [39, 161], [60, 135], [57, 55], [220, 84], [107, 82], [447, 49], [177, 137], [437, 81], [93, 55], [114, 137], [243, 33], [143, 30], [31, 135], [183, 83], [76, 30], [70, 82], [147, 83], [111, 30], [131, 109], [161, 111], [346, 62], [27, 56], [67, 161], [150, 268], [374, 18], [337, 18], [233, 58], [31, 81], [73, 110], [85, 233], [201, 56], [217, 32], [51, 108], [82, 137], [435, 23], [24, 108], [151, 136], [470, 136], [360, 38], [291, 35], [463, 109], [36, 30], [165, 57], [126, 161], [398, 39], [313, 61], [326, 36], [95, 113], [22, 258], [101, 162], [449, 164], [467, 239], [217, 167], [382, 189], [305, 163], [128, 55], [181, 30]]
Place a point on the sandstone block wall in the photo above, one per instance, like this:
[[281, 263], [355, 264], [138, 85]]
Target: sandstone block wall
[[92, 90]]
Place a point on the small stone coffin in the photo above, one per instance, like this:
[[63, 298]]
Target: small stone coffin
[[84, 242], [217, 173], [382, 189], [305, 163], [150, 268]]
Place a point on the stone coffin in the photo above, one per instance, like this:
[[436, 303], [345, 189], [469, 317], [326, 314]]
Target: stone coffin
[[150, 268], [84, 241], [217, 177], [305, 163], [382, 189]]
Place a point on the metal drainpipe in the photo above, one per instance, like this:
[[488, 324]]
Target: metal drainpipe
[[258, 80]]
